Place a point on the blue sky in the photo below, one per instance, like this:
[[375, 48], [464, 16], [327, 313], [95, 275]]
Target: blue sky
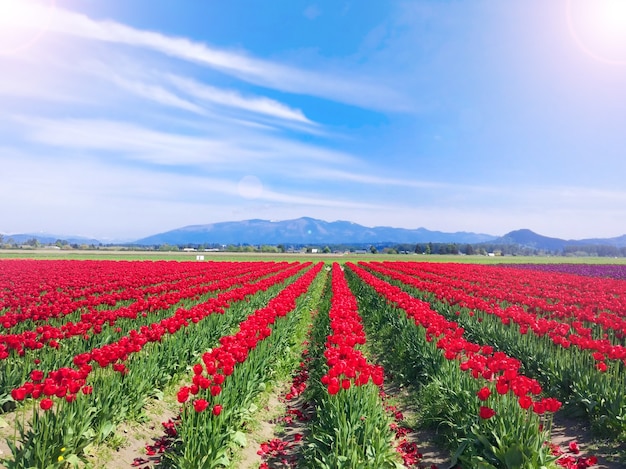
[[124, 118]]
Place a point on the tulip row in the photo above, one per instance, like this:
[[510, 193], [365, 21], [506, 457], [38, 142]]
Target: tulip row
[[587, 379], [350, 427], [492, 413], [148, 299], [465, 295], [231, 375], [343, 369], [117, 353], [92, 400], [346, 364], [41, 291], [549, 295], [107, 348]]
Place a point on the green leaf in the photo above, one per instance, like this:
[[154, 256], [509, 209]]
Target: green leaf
[[73, 460], [462, 447], [106, 430], [480, 463], [240, 439], [514, 457], [222, 461]]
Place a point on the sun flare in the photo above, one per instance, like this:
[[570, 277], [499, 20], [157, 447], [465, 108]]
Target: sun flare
[[23, 22], [599, 28]]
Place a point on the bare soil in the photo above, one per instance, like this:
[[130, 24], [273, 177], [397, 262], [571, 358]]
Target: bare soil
[[566, 430], [131, 438]]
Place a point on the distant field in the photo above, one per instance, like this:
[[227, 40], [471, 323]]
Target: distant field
[[232, 256]]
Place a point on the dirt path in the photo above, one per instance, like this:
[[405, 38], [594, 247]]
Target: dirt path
[[130, 440], [566, 430], [265, 430], [432, 453], [7, 426], [280, 433]]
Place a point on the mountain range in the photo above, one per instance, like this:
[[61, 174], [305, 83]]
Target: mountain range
[[47, 238], [304, 231], [311, 231]]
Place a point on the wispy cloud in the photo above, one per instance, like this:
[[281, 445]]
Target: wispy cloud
[[155, 93], [347, 89], [318, 200], [166, 88], [224, 146], [372, 178], [235, 99], [134, 142]]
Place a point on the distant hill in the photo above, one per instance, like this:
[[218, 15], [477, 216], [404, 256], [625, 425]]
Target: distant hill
[[531, 239], [46, 238], [618, 241], [304, 231]]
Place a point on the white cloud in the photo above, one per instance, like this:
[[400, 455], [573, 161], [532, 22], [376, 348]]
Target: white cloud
[[230, 145], [372, 178], [155, 93], [234, 99], [156, 86], [346, 89]]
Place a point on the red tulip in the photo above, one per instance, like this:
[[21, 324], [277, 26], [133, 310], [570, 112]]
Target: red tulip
[[486, 412], [200, 405], [484, 393], [46, 404], [525, 402]]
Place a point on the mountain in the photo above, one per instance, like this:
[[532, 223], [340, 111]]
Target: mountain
[[531, 239], [304, 231], [618, 241], [46, 238]]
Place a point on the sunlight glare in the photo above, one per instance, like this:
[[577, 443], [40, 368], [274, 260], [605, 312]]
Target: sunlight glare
[[23, 22], [599, 28]]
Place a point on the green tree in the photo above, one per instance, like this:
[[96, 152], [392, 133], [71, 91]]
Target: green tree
[[34, 242]]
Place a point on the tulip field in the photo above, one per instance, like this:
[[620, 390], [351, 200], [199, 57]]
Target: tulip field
[[487, 355]]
